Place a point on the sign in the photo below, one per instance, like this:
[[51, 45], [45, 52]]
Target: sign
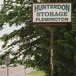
[[7, 60], [35, 67], [51, 12]]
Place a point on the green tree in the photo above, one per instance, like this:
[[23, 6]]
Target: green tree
[[2, 61], [34, 40]]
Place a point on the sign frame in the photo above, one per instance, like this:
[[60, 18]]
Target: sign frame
[[50, 23]]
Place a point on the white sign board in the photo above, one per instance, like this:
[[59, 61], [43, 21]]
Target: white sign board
[[51, 12]]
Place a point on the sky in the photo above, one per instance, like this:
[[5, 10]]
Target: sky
[[1, 1], [8, 29]]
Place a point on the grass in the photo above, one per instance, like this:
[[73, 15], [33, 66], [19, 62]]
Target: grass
[[37, 73]]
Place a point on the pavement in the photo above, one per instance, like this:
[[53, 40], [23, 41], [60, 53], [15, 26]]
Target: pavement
[[15, 71]]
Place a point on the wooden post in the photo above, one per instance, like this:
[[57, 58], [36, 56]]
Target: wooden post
[[51, 42]]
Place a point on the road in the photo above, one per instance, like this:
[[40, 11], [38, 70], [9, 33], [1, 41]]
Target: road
[[15, 71]]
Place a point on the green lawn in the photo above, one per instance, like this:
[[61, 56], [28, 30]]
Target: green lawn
[[37, 73]]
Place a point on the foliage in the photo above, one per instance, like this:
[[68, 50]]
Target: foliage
[[1, 60], [34, 41]]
